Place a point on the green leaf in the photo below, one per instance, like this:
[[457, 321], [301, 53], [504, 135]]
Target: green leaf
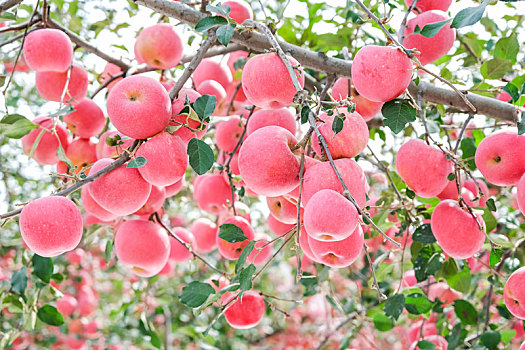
[[431, 29], [50, 315], [225, 33], [16, 126], [489, 219], [465, 312], [220, 9], [196, 293], [513, 91], [245, 277], [461, 280], [425, 345], [468, 150], [310, 283], [8, 16], [398, 113], [239, 64], [394, 306], [435, 263], [231, 233], [138, 162], [469, 16], [451, 177], [42, 267], [67, 109], [19, 281], [417, 304], [108, 250], [424, 234], [245, 253], [507, 48], [337, 125], [210, 22], [200, 155], [495, 68], [204, 106], [521, 125], [454, 337], [491, 339], [155, 339], [491, 205], [383, 323], [305, 113], [495, 256]]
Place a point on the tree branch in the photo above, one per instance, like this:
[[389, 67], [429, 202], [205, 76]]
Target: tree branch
[[117, 163], [7, 4], [195, 61], [88, 47], [490, 107]]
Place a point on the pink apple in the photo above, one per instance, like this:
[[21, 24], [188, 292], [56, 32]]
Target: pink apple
[[159, 46], [381, 73], [52, 85], [266, 81], [87, 120], [51, 226], [456, 231], [48, 50], [139, 107]]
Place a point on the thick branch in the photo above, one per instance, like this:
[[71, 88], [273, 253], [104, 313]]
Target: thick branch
[[7, 4], [321, 62]]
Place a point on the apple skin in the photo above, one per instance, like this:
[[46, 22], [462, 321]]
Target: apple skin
[[338, 253], [456, 231], [432, 48], [424, 168], [87, 120], [245, 313], [381, 73], [50, 85], [110, 70], [322, 176], [240, 10], [349, 142], [365, 108], [143, 246], [51, 225], [155, 201], [266, 162], [277, 227], [266, 81], [205, 232], [500, 157], [46, 151], [329, 216], [167, 159], [178, 252], [228, 133], [67, 305], [232, 251], [139, 107], [159, 46], [122, 191], [283, 209], [212, 193], [428, 5], [265, 117], [48, 50], [93, 207], [514, 293], [210, 69]]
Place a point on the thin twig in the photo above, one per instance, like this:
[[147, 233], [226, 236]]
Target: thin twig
[[124, 157], [188, 247], [195, 61]]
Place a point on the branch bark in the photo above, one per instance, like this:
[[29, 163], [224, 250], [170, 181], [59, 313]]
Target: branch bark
[[7, 4], [321, 62]]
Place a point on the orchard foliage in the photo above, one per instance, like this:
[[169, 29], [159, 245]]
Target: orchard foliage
[[175, 174]]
